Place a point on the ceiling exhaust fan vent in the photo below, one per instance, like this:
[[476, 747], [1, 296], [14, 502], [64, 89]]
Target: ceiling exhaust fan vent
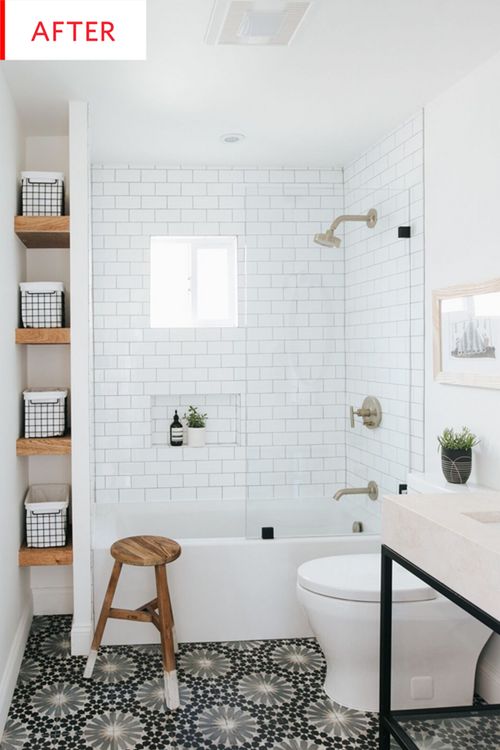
[[264, 22]]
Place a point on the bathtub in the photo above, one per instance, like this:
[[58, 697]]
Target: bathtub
[[223, 587]]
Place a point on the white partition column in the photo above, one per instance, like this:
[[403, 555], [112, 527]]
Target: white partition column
[[81, 352]]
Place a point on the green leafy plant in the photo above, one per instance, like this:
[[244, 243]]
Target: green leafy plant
[[194, 418], [455, 441]]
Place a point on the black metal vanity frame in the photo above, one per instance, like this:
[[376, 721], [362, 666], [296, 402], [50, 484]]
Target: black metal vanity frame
[[389, 720]]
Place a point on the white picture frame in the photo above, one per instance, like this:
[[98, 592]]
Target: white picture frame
[[466, 334]]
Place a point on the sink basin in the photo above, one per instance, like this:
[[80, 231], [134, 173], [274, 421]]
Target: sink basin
[[487, 516], [453, 537]]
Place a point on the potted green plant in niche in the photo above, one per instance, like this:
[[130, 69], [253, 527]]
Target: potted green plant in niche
[[196, 423], [456, 454]]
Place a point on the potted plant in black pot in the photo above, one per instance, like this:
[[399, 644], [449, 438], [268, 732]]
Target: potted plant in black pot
[[456, 454]]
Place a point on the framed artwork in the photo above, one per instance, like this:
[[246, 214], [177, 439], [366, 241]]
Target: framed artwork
[[466, 323]]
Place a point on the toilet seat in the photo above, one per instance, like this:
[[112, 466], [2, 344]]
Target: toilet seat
[[357, 578]]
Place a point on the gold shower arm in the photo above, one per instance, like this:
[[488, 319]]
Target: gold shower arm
[[370, 218], [328, 239]]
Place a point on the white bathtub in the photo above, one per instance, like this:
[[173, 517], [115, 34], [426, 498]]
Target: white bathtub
[[222, 587]]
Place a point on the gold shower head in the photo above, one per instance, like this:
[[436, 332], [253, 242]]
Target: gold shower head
[[328, 239]]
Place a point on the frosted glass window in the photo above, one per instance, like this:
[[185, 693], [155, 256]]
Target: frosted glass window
[[193, 282]]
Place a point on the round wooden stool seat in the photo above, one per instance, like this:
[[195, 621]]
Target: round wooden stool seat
[[145, 550]]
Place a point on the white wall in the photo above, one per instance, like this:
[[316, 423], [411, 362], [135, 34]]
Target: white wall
[[462, 195], [16, 598], [81, 368]]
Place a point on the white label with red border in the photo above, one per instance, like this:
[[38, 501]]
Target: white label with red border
[[73, 29]]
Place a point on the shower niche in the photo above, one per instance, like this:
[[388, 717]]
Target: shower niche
[[223, 412]]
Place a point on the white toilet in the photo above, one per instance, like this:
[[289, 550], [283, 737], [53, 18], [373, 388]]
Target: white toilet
[[436, 645]]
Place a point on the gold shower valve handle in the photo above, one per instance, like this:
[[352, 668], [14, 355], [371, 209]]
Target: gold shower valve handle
[[370, 412], [359, 413]]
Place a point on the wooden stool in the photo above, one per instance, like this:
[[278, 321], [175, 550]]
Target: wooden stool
[[151, 551]]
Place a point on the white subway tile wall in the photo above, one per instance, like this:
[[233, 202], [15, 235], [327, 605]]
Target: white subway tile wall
[[385, 308], [282, 369], [319, 329]]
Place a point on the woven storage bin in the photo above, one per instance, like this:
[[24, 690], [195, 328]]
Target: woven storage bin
[[47, 515], [44, 412], [42, 304], [42, 193]]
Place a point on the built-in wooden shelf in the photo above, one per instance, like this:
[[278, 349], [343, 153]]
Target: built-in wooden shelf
[[41, 232], [55, 446], [31, 556], [43, 335], [44, 232]]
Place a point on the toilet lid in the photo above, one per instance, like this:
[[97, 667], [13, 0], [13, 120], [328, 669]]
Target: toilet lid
[[357, 578]]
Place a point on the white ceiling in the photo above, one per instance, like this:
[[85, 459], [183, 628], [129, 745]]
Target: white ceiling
[[356, 69]]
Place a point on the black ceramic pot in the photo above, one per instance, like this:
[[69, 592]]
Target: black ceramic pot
[[456, 465]]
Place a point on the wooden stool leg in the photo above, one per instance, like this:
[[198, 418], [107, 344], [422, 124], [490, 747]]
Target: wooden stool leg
[[172, 621], [103, 617], [167, 643]]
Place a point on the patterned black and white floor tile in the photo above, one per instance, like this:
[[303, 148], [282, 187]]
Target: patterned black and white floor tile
[[470, 733], [251, 695]]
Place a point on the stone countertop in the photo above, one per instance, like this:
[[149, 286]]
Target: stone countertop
[[455, 538]]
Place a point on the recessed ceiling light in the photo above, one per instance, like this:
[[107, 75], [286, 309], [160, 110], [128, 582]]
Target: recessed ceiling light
[[254, 22], [232, 137]]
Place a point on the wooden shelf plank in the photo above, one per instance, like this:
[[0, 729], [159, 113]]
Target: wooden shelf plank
[[43, 335], [30, 556], [56, 446], [41, 232]]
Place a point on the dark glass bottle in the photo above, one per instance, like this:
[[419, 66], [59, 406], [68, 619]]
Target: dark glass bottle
[[176, 431]]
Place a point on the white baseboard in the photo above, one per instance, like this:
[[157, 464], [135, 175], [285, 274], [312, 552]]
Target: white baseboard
[[8, 679], [488, 681], [81, 638], [53, 600]]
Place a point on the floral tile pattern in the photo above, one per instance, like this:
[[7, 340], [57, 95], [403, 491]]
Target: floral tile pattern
[[266, 689], [255, 695], [468, 732]]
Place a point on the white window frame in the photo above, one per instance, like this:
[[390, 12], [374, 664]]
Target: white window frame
[[198, 244]]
